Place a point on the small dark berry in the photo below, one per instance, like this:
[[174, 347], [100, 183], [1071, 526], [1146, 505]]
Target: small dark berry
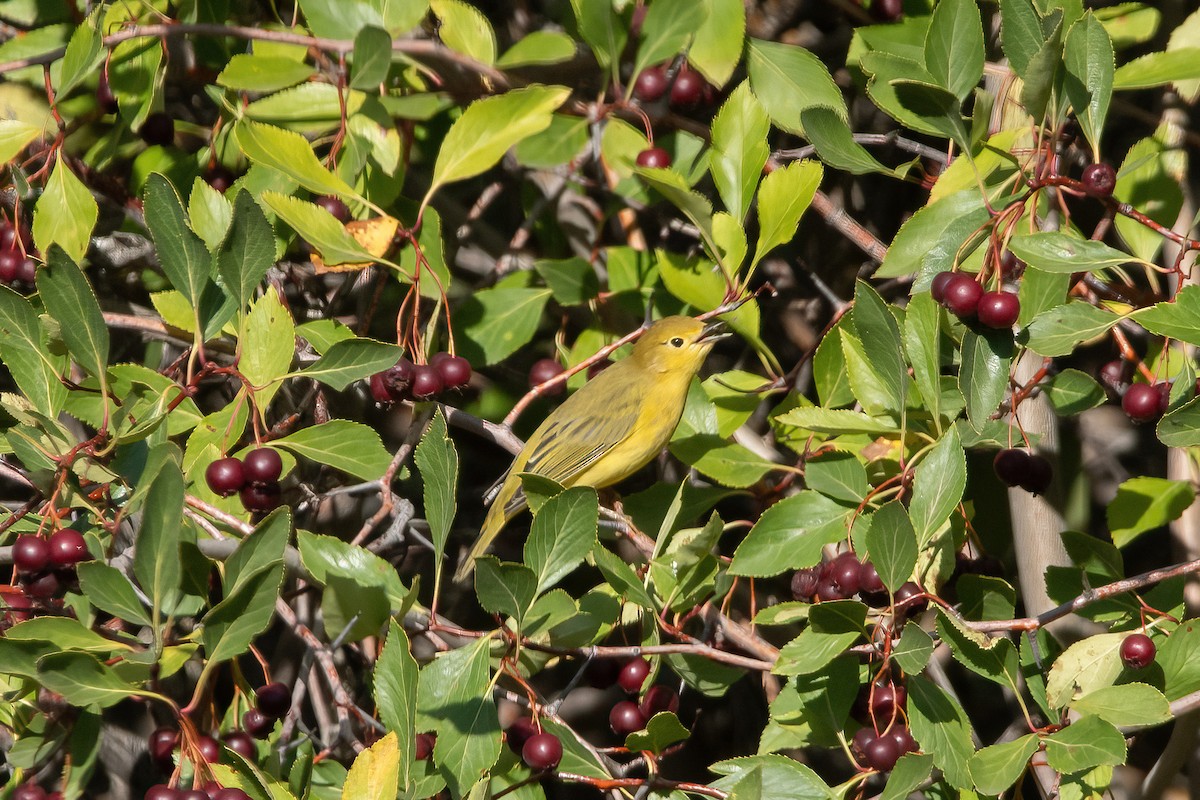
[[543, 751], [426, 382], [804, 583], [398, 378], [27, 272], [261, 497], [1114, 374], [542, 371], [910, 598], [158, 128], [688, 90], [659, 699], [961, 295], [16, 606], [273, 699], [225, 476], [937, 288], [257, 724], [520, 732], [1137, 651], [455, 371], [68, 547], [193, 794], [861, 740], [828, 590], [161, 791], [104, 95], [882, 754], [1099, 180], [1141, 403], [1011, 466], [262, 465], [654, 158], [903, 738], [379, 389], [625, 718], [1011, 267], [10, 265], [1038, 475], [869, 581], [335, 206], [242, 743], [843, 572], [886, 702], [423, 745], [44, 585], [219, 178], [998, 309], [30, 553], [650, 85], [210, 749], [162, 744], [1164, 396], [887, 10], [598, 367], [29, 791], [633, 675]]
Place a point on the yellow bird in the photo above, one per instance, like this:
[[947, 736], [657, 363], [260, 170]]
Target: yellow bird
[[613, 426]]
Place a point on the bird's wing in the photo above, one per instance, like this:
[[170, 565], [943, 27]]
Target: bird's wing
[[569, 444]]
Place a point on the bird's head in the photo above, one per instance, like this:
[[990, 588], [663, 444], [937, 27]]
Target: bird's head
[[677, 344]]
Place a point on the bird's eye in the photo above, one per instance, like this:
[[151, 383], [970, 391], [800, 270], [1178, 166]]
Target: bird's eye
[[677, 342]]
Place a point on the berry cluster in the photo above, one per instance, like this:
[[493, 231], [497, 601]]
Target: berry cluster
[[965, 298], [884, 737], [162, 791], [686, 92], [409, 381], [540, 750], [272, 702], [47, 565], [1029, 471], [255, 478], [628, 716], [15, 265], [163, 744], [31, 791], [845, 576]]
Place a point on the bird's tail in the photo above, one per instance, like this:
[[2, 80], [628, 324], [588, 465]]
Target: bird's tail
[[497, 516]]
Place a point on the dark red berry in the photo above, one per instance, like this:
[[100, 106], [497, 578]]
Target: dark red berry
[[869, 581], [162, 744], [1011, 466], [1038, 475], [1164, 396], [219, 178], [598, 367], [882, 753], [16, 606], [8, 235], [843, 572], [1137, 651], [335, 206], [688, 90], [158, 128], [10, 265], [542, 371], [887, 10], [650, 85], [804, 583], [654, 158], [937, 288], [886, 702], [1114, 374], [659, 699], [860, 740], [398, 378], [998, 309], [625, 718], [30, 553], [828, 590], [225, 476], [455, 371], [910, 598], [426, 382], [27, 272], [633, 675], [44, 585], [210, 749], [261, 497], [379, 389], [29, 791], [543, 751], [229, 794], [903, 738], [262, 465], [257, 724], [520, 732], [273, 699], [68, 547], [961, 295], [242, 743], [161, 791], [1011, 267], [1141, 403], [104, 95], [423, 745], [1099, 180], [193, 794]]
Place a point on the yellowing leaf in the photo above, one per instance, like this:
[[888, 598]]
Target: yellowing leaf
[[375, 235]]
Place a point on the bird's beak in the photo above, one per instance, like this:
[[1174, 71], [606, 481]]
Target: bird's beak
[[713, 332]]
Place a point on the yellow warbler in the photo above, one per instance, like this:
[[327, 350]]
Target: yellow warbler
[[610, 428]]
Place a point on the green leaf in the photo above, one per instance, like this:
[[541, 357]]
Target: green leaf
[[922, 342], [352, 447], [323, 334], [488, 128], [247, 252], [573, 281], [1178, 318], [110, 591], [930, 240], [183, 255], [886, 69], [437, 461], [64, 634], [1052, 251], [1087, 742], [739, 149], [361, 589], [695, 206], [1021, 33], [832, 628], [941, 726], [209, 214], [14, 136], [65, 213], [563, 533], [70, 300], [1149, 179], [395, 682], [913, 650], [1143, 504], [1089, 61], [1130, 704], [229, 627], [602, 29], [25, 351], [1180, 428], [84, 53], [788, 79], [1056, 332], [455, 699], [254, 73], [493, 323], [780, 778], [350, 360], [717, 46], [954, 49], [906, 777], [790, 535], [1085, 666], [727, 463], [82, 680], [465, 29], [783, 196], [880, 337], [983, 376], [938, 486], [666, 29], [1072, 392], [621, 577], [1176, 657], [661, 731], [319, 228], [937, 107], [892, 544], [997, 767], [830, 134], [1155, 69], [993, 658], [504, 588], [538, 48], [372, 58], [291, 154], [259, 550], [836, 421], [840, 476], [270, 328]]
